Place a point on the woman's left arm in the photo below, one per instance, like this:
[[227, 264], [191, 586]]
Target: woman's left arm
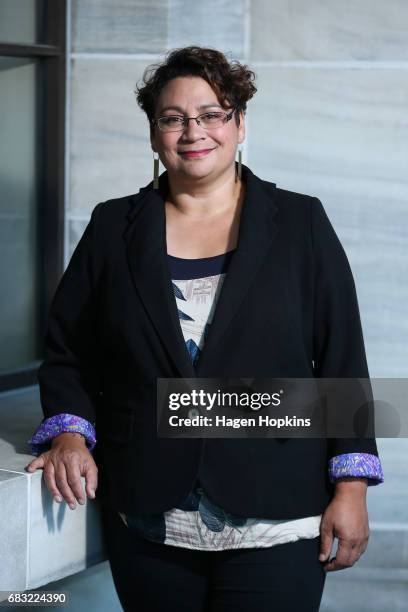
[[346, 517], [339, 352]]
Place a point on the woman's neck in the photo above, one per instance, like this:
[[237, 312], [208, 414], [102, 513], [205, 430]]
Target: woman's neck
[[205, 201]]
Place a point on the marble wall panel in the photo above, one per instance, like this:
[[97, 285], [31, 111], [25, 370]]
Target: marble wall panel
[[214, 23], [123, 26], [368, 30], [342, 135], [110, 153]]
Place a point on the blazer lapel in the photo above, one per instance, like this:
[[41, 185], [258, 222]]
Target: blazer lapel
[[147, 253], [147, 258], [257, 230]]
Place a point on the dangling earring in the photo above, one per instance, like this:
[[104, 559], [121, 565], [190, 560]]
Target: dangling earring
[[155, 171], [239, 171]]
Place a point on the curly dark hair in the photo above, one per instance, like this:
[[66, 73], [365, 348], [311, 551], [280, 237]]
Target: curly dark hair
[[231, 81]]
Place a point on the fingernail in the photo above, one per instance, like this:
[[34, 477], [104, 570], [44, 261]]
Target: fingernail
[[58, 498], [81, 501], [322, 557], [72, 506], [91, 493]]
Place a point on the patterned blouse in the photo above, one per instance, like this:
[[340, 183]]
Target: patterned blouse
[[198, 523]]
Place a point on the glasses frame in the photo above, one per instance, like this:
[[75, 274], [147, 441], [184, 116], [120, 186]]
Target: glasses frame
[[184, 125]]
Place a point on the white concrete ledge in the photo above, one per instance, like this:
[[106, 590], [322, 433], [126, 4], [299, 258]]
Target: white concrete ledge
[[40, 540]]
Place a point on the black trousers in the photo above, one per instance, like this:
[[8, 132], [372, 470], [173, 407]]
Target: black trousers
[[153, 577]]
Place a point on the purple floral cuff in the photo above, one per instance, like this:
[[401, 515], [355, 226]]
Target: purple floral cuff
[[362, 465], [40, 441]]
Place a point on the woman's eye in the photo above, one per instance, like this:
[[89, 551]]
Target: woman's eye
[[170, 120], [212, 115]]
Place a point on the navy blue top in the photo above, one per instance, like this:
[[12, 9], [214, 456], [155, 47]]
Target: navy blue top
[[182, 269]]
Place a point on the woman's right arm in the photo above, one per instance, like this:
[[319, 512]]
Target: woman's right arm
[[63, 465], [69, 377]]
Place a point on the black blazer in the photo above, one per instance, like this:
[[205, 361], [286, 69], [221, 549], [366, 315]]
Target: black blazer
[[287, 308]]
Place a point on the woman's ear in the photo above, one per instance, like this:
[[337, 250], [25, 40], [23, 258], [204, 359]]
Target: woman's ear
[[152, 139], [241, 128]]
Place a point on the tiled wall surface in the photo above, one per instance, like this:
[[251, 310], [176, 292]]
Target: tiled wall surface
[[123, 26], [328, 30], [109, 154], [329, 119], [338, 133]]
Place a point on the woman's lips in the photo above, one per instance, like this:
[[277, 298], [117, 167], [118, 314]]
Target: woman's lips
[[202, 153]]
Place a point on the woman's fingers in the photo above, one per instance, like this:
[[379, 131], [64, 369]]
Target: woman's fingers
[[91, 478], [73, 480], [63, 465], [49, 478], [63, 486], [326, 539], [347, 554], [36, 463]]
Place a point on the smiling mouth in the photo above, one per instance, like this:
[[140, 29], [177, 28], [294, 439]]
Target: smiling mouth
[[200, 153]]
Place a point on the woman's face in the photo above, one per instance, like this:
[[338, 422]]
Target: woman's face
[[189, 97]]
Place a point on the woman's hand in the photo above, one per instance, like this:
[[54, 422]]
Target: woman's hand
[[67, 460], [346, 518]]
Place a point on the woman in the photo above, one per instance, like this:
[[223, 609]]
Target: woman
[[208, 272]]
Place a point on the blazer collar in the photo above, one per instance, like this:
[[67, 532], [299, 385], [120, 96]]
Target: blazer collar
[[146, 250]]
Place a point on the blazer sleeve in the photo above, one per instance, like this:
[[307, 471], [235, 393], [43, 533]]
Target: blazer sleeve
[[41, 439], [69, 375], [338, 345]]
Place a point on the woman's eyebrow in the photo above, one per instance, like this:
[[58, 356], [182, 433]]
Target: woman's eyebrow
[[178, 108]]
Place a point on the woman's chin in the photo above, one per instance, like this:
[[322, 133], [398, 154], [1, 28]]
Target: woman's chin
[[196, 172]]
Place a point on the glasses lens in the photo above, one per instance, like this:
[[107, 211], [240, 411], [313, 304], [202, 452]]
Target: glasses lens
[[210, 120], [170, 124], [175, 123]]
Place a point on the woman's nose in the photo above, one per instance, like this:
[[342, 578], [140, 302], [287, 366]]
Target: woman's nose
[[193, 130]]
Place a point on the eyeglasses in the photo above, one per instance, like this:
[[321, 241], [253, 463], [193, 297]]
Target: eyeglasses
[[176, 123]]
